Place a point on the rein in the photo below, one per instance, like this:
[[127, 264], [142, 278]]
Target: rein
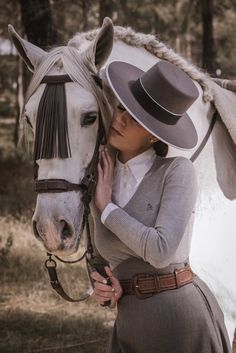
[[205, 139], [86, 187]]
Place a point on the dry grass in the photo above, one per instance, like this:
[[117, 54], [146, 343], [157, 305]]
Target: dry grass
[[32, 317]]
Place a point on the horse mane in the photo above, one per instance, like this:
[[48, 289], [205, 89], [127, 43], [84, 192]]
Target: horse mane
[[154, 46]]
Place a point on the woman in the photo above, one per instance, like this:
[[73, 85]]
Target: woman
[[146, 204]]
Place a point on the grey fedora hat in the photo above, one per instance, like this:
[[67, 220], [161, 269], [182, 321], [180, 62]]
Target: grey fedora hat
[[158, 99]]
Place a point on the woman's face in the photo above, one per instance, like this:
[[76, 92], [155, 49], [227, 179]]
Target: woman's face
[[126, 134]]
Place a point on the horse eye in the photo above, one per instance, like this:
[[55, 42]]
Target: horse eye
[[88, 118]]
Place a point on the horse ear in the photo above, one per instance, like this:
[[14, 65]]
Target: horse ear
[[30, 53], [100, 49]]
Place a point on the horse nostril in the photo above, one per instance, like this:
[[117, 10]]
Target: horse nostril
[[66, 231]]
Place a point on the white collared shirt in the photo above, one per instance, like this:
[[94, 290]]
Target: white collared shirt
[[126, 179]]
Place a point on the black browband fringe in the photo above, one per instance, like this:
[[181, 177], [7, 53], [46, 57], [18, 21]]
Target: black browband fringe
[[51, 133]]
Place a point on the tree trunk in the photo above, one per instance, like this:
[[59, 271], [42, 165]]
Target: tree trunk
[[188, 47], [208, 42], [38, 22], [178, 43], [106, 9], [20, 88], [20, 99], [85, 9], [35, 16]]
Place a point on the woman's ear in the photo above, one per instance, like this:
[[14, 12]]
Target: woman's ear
[[153, 139]]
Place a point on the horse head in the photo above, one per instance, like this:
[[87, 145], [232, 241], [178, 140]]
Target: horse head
[[66, 108]]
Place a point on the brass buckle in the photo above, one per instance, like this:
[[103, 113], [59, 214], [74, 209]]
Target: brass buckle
[[136, 289]]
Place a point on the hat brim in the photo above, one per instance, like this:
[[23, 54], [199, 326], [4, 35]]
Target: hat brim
[[182, 134]]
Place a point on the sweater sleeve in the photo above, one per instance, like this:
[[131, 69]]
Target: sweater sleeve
[[158, 244]]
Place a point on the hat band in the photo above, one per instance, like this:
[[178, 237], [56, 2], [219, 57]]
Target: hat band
[[150, 106]]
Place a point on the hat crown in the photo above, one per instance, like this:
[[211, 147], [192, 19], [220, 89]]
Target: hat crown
[[169, 87]]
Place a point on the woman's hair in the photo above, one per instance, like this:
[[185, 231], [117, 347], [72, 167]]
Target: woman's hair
[[161, 148]]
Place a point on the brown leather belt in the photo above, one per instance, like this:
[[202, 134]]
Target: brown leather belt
[[144, 285]]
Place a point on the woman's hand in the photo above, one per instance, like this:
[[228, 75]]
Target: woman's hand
[[104, 183], [103, 292]]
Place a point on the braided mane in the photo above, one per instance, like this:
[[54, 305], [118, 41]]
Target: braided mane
[[155, 47]]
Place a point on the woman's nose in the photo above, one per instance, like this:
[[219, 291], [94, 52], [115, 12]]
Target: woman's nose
[[120, 117]]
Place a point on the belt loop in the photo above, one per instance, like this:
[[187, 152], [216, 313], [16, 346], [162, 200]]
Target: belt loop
[[176, 273], [157, 283]]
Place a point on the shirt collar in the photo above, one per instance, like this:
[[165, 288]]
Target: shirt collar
[[140, 164]]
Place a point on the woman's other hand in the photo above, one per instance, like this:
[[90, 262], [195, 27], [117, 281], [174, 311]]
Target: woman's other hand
[[104, 183], [103, 292]]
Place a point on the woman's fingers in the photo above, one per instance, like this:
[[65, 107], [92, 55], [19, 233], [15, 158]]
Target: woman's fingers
[[100, 299], [109, 273], [102, 291], [100, 173], [115, 283], [104, 294], [97, 277], [103, 287], [107, 165], [109, 159]]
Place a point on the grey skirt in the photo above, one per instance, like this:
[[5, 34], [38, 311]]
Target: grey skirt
[[184, 320]]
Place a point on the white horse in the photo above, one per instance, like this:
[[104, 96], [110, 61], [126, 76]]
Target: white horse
[[57, 217]]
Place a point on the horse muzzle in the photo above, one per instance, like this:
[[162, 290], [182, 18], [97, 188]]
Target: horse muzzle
[[57, 236]]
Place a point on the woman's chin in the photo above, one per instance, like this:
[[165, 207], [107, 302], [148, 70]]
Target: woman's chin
[[112, 141]]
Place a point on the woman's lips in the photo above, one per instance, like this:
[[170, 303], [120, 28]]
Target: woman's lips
[[116, 131]]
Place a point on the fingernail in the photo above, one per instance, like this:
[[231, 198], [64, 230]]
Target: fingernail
[[104, 281], [113, 290]]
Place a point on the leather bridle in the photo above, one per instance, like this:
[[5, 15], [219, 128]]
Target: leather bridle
[[86, 187]]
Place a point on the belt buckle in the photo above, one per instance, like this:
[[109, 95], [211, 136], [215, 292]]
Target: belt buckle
[[136, 289]]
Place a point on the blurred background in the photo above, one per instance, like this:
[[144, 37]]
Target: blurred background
[[32, 317]]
